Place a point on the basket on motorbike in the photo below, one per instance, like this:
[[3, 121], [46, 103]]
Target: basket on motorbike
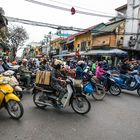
[[43, 77], [78, 86]]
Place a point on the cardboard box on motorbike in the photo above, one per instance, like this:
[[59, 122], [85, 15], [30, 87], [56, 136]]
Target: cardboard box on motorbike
[[43, 77]]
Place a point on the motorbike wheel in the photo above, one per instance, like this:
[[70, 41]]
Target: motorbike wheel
[[138, 91], [99, 94], [80, 105], [115, 90], [19, 94], [36, 97], [132, 84], [15, 109]]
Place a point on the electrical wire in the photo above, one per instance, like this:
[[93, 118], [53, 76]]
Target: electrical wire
[[79, 7], [67, 9], [80, 12], [54, 26], [36, 23]]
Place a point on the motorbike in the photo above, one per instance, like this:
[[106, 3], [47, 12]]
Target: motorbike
[[134, 82], [91, 87], [110, 84], [78, 102], [9, 100], [23, 83], [9, 75]]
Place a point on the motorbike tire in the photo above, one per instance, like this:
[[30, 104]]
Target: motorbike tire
[[132, 84], [11, 111], [78, 98], [99, 94], [138, 91], [37, 104], [113, 92]]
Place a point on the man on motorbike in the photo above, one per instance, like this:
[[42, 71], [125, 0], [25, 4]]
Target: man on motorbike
[[1, 67], [32, 65], [45, 65], [56, 81], [25, 73], [125, 69], [80, 70]]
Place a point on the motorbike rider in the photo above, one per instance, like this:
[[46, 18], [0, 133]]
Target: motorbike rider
[[25, 73], [80, 70], [125, 69], [32, 65], [45, 65], [94, 65], [1, 67], [56, 81], [5, 65], [100, 72]]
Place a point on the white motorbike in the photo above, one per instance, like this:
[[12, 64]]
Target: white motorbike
[[9, 75], [48, 96]]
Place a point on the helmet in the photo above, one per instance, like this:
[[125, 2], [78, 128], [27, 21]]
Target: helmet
[[24, 61], [57, 64], [100, 64], [80, 62]]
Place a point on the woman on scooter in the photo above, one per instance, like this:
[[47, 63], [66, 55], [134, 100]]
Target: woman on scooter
[[100, 73]]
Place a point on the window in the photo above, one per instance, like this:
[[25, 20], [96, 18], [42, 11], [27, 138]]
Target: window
[[83, 46], [88, 43]]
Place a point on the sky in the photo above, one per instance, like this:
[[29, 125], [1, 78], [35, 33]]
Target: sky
[[26, 10]]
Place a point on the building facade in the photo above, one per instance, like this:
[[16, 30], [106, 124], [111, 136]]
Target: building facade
[[132, 27]]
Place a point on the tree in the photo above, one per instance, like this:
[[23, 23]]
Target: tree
[[17, 36], [3, 26]]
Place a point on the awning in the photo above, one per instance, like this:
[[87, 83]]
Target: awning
[[68, 54], [106, 52]]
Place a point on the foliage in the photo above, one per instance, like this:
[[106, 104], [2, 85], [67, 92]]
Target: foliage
[[17, 36], [3, 34]]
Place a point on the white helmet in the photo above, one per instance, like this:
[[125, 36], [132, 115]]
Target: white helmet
[[24, 60], [80, 62]]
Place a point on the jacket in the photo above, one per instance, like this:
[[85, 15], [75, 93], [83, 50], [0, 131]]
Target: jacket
[[100, 72]]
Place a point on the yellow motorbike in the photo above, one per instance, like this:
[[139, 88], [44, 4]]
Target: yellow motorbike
[[9, 100]]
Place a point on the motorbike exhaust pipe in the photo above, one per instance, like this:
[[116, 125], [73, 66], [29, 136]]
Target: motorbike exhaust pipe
[[48, 104]]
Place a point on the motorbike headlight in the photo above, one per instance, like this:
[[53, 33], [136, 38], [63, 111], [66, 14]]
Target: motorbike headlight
[[4, 82]]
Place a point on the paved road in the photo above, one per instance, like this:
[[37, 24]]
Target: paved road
[[115, 118]]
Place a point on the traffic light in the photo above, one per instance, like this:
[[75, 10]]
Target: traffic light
[[73, 11]]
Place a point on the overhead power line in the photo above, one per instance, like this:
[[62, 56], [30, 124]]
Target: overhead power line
[[78, 7], [54, 26], [36, 23], [67, 9], [80, 12]]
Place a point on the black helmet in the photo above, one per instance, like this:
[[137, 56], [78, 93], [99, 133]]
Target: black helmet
[[100, 63]]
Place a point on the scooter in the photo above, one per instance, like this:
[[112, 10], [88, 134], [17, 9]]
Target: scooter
[[91, 87], [134, 84], [110, 85], [9, 100], [78, 102], [9, 75]]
